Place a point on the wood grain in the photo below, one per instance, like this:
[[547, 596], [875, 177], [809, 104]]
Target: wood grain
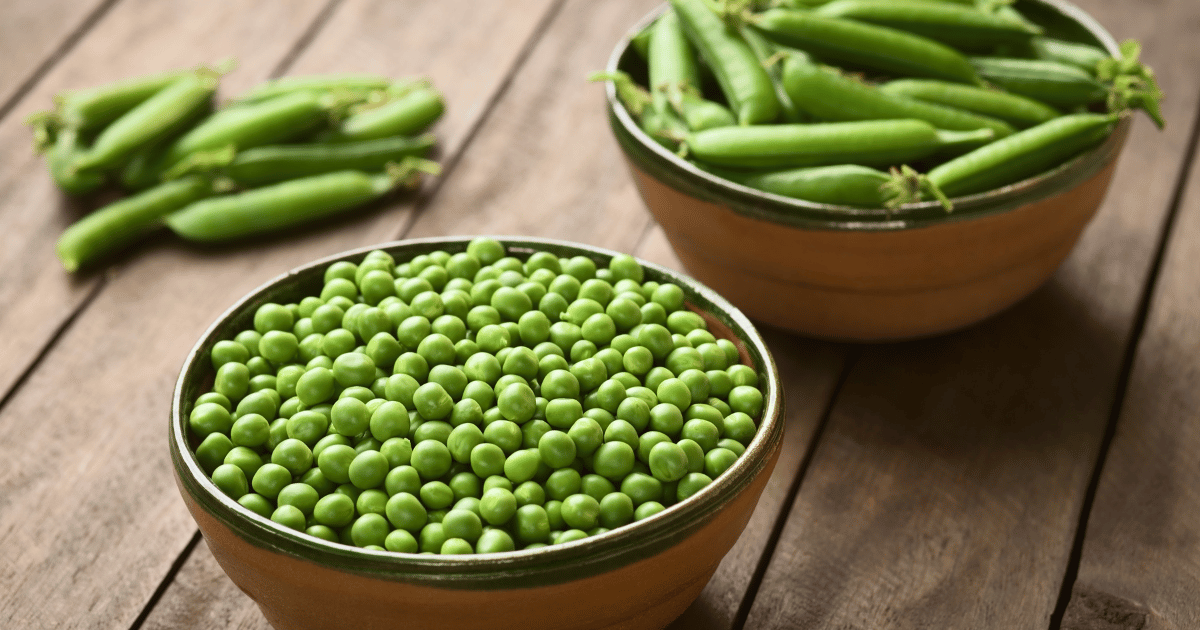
[[1140, 566], [947, 486], [136, 37], [32, 32], [545, 164]]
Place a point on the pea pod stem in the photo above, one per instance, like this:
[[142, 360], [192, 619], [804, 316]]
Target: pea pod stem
[[60, 158], [123, 222], [745, 83], [290, 203]]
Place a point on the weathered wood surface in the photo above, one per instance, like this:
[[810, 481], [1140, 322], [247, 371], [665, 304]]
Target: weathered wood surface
[[1140, 565], [35, 33], [943, 490], [947, 486]]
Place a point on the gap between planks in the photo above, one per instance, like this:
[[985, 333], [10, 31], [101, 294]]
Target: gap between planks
[[1127, 364]]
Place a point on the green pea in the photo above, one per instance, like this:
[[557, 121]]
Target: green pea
[[289, 516], [557, 449], [369, 529], [530, 493], [231, 480], [691, 484], [462, 524], [746, 399], [718, 461], [613, 460], [641, 488], [495, 541], [463, 440], [432, 402], [436, 495], [228, 352], [315, 386], [616, 509], [210, 418], [402, 478], [740, 427], [232, 380], [521, 465], [300, 495], [432, 538], [587, 435], [368, 469], [596, 486], [532, 524], [353, 368], [668, 462], [581, 511], [517, 402], [647, 509], [293, 455], [742, 375], [307, 427], [214, 397], [334, 462], [694, 452], [257, 503]]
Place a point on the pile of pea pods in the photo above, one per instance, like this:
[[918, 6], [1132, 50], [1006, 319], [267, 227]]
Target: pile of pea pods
[[811, 98], [289, 151], [473, 403]]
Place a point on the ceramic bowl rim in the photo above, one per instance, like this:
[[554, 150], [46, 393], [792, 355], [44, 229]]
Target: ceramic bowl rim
[[818, 216], [612, 549]]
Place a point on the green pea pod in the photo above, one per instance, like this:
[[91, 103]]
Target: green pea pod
[[664, 126], [316, 83], [1023, 154], [408, 114], [671, 61], [289, 203], [95, 107], [144, 168], [123, 222], [270, 164], [866, 143], [700, 114], [1070, 53], [266, 122], [963, 27], [60, 158], [149, 121], [866, 45], [772, 57], [743, 80], [1050, 82], [840, 185], [829, 95], [641, 42], [1011, 108]]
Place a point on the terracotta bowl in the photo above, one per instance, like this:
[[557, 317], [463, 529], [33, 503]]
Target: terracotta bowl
[[855, 274], [639, 576]]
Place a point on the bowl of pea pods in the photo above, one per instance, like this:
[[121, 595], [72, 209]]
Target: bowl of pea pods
[[467, 433], [873, 169]]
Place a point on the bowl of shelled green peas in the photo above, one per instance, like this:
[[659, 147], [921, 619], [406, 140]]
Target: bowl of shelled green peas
[[873, 169], [448, 432]]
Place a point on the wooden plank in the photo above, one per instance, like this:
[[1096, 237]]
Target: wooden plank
[[947, 486], [32, 32], [137, 37], [546, 164], [1140, 565], [90, 520]]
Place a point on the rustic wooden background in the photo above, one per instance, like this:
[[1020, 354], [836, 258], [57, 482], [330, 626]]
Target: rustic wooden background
[[1039, 470]]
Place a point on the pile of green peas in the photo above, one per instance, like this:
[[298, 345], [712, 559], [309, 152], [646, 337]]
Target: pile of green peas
[[473, 403]]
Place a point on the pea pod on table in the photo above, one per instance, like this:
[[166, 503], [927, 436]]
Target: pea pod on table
[[1023, 154], [867, 143], [289, 203], [1011, 108], [266, 122], [866, 45], [828, 95], [963, 27], [743, 80], [316, 83], [122, 222], [407, 114], [150, 120], [271, 164], [60, 159]]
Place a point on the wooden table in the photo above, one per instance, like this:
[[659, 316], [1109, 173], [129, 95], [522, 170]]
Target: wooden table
[[1036, 471]]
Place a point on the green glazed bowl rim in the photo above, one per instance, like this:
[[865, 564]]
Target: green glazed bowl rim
[[664, 165], [519, 569]]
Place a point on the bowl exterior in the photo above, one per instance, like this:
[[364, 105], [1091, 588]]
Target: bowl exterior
[[298, 594], [642, 575], [872, 285]]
